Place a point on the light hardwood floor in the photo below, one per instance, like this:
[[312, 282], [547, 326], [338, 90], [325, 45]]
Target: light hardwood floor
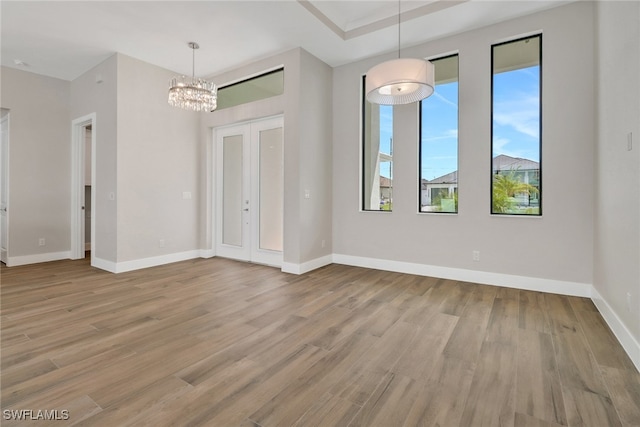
[[223, 343]]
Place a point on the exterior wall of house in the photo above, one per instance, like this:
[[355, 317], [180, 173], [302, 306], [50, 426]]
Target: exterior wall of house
[[617, 219], [559, 245], [39, 166]]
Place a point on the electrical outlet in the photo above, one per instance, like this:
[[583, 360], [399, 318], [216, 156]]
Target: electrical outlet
[[476, 255], [161, 243], [629, 302], [323, 243], [41, 241], [630, 141]]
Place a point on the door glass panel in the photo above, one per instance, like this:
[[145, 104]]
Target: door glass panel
[[232, 190], [271, 189]]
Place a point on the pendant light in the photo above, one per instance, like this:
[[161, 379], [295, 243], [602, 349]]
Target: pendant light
[[191, 93], [400, 81]]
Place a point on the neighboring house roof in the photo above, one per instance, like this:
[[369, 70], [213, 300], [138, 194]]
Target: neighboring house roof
[[385, 182], [500, 163], [450, 178], [505, 163]]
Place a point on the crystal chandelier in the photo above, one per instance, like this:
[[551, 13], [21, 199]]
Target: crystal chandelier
[[191, 93]]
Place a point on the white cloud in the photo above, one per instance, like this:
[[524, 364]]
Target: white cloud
[[500, 147], [445, 100], [447, 134], [520, 113], [499, 144]]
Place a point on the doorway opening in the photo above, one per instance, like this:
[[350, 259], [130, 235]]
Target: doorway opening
[[83, 193]]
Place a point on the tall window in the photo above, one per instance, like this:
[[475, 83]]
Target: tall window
[[439, 141], [516, 127], [377, 155]]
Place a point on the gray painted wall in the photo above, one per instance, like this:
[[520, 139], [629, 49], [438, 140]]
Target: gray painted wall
[[617, 220], [557, 246], [88, 96], [157, 162], [40, 162], [315, 158]]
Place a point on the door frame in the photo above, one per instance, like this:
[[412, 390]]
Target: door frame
[[248, 129], [78, 141], [4, 167]]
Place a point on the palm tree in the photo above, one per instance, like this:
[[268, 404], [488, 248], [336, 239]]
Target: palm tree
[[505, 188]]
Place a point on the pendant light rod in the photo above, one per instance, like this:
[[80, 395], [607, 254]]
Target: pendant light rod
[[193, 46], [398, 29]]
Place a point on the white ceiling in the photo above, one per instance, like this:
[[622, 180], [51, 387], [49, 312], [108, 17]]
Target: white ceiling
[[64, 39]]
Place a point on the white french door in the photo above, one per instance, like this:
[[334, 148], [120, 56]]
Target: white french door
[[249, 191]]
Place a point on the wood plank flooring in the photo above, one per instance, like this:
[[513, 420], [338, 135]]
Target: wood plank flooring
[[223, 343]]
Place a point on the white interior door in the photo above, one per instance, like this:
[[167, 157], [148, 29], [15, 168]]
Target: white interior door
[[4, 186], [249, 165]]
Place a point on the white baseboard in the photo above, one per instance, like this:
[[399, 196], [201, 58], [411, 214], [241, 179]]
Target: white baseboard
[[305, 267], [207, 253], [14, 261], [103, 264], [138, 264], [624, 336], [483, 277]]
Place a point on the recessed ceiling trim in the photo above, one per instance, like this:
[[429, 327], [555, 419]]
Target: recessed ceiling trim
[[323, 18], [418, 12]]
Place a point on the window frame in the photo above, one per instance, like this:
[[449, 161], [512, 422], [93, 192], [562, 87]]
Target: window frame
[[363, 118], [436, 58], [246, 80], [540, 122]]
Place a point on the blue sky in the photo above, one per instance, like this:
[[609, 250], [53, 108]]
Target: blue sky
[[516, 114], [440, 131], [515, 132]]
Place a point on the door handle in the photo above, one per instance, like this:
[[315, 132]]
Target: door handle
[[246, 210]]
